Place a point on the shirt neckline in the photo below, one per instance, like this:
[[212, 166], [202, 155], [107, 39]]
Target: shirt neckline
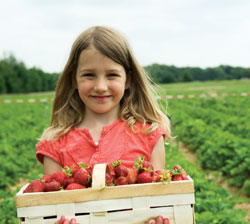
[[105, 129]]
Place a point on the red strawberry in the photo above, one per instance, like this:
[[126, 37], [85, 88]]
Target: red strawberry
[[145, 177], [110, 169], [52, 186], [177, 167], [159, 219], [75, 186], [157, 176], [166, 221], [177, 177], [86, 166], [183, 171], [75, 169], [35, 186], [120, 170], [47, 178], [132, 176], [59, 176], [179, 170], [147, 165], [82, 177], [143, 165], [109, 179], [121, 181], [184, 177], [68, 180]]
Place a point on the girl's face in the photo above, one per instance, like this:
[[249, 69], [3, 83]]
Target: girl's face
[[101, 82]]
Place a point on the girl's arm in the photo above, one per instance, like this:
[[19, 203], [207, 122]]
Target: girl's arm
[[157, 158], [50, 165]]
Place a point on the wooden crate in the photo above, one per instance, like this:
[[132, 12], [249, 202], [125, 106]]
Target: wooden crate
[[127, 204]]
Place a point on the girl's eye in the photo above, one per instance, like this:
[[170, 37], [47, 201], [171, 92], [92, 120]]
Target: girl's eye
[[88, 75], [112, 75]]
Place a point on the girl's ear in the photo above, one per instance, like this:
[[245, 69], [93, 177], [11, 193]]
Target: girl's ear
[[128, 80]]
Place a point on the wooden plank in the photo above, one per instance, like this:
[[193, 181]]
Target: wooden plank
[[36, 211], [183, 214], [114, 192], [140, 216]]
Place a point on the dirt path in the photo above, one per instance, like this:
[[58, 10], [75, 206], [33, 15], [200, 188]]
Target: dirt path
[[220, 181]]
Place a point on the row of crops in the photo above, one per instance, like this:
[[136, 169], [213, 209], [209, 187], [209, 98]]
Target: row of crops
[[218, 130], [22, 124]]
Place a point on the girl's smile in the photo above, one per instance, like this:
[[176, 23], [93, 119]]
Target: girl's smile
[[101, 82], [101, 98]]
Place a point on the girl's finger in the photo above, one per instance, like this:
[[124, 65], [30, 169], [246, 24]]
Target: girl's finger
[[73, 221], [159, 219], [151, 221], [66, 221]]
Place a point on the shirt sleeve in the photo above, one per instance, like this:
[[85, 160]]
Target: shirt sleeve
[[154, 137], [46, 148]]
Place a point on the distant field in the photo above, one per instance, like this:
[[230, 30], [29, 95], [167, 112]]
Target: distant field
[[235, 86]]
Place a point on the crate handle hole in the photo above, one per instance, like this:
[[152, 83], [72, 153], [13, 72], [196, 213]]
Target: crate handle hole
[[152, 207], [82, 214], [121, 210], [50, 217]]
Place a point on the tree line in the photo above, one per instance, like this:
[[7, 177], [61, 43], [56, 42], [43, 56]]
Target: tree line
[[15, 77], [169, 74]]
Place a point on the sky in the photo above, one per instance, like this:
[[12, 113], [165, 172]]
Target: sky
[[195, 33]]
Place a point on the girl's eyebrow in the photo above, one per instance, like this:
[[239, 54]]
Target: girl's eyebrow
[[93, 70]]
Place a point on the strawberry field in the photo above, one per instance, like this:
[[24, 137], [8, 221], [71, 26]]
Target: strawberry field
[[217, 130]]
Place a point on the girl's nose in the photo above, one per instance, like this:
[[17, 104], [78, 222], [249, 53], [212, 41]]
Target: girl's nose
[[100, 85]]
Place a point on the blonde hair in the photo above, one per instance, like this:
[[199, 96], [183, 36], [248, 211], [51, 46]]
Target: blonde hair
[[139, 101]]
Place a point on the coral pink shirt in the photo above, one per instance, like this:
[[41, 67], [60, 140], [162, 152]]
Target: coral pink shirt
[[117, 142]]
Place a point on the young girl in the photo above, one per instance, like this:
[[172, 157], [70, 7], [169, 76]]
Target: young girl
[[104, 108]]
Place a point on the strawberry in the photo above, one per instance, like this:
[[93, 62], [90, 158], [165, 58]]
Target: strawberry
[[166, 221], [75, 169], [35, 186], [132, 176], [75, 186], [166, 175], [47, 178], [68, 180], [59, 176], [52, 186], [145, 177], [86, 166], [184, 177], [120, 170], [157, 175], [147, 165], [177, 167], [143, 165], [82, 177], [109, 179], [121, 181], [177, 177]]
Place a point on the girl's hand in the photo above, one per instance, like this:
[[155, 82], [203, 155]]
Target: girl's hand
[[66, 221], [158, 220]]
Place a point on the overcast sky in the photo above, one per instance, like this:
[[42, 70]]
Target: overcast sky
[[204, 33]]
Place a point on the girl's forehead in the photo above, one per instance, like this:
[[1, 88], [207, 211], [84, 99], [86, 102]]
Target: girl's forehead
[[90, 58]]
